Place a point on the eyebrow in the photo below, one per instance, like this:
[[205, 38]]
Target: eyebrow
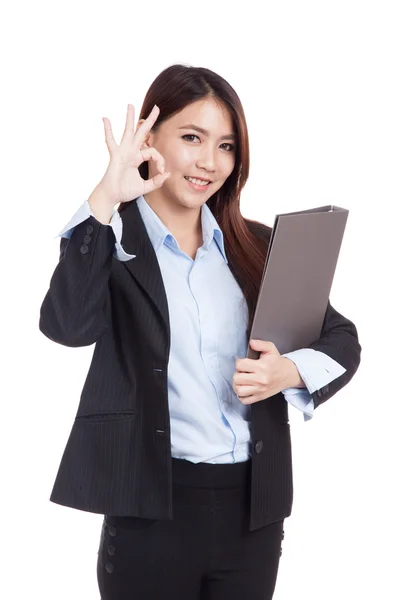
[[230, 136]]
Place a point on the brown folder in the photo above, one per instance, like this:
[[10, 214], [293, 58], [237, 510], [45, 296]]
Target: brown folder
[[298, 275]]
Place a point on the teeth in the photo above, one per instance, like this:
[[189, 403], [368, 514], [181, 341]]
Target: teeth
[[197, 181]]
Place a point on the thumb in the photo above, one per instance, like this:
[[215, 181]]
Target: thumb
[[263, 346], [155, 182]]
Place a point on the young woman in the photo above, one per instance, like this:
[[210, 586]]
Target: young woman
[[181, 442]]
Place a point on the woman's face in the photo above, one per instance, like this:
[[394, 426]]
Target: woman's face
[[188, 152]]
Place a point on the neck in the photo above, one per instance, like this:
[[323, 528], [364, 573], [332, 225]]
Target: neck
[[184, 223]]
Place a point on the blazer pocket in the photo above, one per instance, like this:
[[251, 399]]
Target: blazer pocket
[[106, 416]]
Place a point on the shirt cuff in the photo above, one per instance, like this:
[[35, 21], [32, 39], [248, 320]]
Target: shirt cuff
[[83, 213], [316, 369], [300, 398]]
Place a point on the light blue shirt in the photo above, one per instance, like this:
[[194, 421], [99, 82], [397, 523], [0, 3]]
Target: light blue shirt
[[208, 321]]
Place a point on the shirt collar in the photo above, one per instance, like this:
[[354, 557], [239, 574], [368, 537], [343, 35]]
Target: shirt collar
[[159, 234]]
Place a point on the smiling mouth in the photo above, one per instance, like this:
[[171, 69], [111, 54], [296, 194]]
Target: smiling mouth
[[198, 183]]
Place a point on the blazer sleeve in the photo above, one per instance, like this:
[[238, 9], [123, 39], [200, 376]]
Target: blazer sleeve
[[83, 213], [73, 312], [339, 340]]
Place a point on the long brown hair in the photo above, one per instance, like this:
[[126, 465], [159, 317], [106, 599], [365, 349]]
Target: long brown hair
[[245, 241]]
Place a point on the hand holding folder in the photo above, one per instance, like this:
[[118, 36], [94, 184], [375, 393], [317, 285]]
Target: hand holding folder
[[297, 279]]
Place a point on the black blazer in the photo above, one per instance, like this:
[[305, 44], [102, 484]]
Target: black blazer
[[117, 460]]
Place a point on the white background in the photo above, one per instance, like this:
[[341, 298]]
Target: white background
[[319, 82]]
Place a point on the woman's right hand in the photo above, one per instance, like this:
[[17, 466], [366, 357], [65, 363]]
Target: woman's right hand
[[122, 181]]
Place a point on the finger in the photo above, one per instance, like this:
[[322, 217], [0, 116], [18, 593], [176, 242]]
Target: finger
[[248, 395], [248, 365], [154, 155], [130, 121], [146, 126], [110, 141], [155, 182], [244, 378], [249, 399], [244, 391]]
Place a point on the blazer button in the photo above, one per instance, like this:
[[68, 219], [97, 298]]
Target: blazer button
[[109, 568], [89, 229], [87, 239], [84, 249], [111, 550], [319, 393], [112, 531], [259, 446]]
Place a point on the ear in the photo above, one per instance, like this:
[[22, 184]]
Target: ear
[[139, 124], [145, 144]]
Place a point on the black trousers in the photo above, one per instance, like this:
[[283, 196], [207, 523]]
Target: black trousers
[[207, 551]]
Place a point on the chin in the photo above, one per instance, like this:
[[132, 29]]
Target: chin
[[190, 200]]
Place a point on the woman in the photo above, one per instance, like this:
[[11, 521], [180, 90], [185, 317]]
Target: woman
[[181, 442]]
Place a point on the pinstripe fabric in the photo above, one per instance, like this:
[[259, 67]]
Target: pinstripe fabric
[[117, 459]]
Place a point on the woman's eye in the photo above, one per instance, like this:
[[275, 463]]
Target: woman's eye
[[192, 135]]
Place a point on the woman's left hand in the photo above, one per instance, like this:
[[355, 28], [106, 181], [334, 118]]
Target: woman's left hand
[[256, 380]]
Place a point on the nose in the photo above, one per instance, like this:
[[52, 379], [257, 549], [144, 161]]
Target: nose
[[207, 159]]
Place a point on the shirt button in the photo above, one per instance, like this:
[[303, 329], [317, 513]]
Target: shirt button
[[84, 249], [259, 446]]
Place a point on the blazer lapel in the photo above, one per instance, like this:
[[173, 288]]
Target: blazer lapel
[[144, 268]]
